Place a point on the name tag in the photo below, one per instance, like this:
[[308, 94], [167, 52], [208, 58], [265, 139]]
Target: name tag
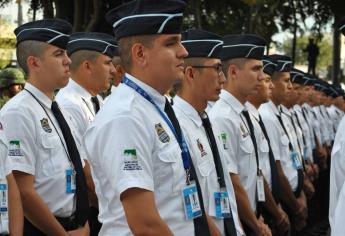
[[191, 201], [305, 152], [296, 162], [260, 188], [4, 207], [223, 209], [70, 181]]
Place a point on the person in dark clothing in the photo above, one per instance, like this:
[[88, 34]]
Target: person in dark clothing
[[313, 52]]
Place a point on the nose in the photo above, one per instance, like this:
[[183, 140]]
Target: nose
[[112, 69], [271, 85], [290, 85], [67, 60], [182, 52]]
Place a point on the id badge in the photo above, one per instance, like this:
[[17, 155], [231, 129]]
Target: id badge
[[295, 160], [260, 188], [223, 209], [4, 206], [191, 201], [70, 181], [305, 150]]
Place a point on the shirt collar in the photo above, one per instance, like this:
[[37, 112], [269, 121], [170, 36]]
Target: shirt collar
[[273, 107], [79, 89], [232, 101], [252, 109], [297, 108], [285, 110], [157, 98], [188, 110], [41, 97]]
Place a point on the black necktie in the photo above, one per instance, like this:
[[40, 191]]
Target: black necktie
[[95, 103], [274, 171], [82, 205], [300, 176], [200, 224], [252, 137], [229, 224]]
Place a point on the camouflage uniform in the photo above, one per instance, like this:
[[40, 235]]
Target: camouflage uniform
[[8, 78]]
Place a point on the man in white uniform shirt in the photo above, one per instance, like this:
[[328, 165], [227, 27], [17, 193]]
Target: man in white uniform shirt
[[291, 181], [202, 82], [46, 162], [242, 65], [11, 215], [274, 214], [145, 181], [91, 72]]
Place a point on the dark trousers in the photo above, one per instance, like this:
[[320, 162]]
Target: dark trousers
[[31, 230], [95, 225]]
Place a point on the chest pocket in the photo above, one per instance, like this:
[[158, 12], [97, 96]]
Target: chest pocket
[[284, 140], [169, 169], [264, 145], [51, 155], [246, 145]]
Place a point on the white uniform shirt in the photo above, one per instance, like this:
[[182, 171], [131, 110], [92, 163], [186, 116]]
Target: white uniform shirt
[[338, 226], [239, 149], [129, 145], [77, 102], [337, 175], [306, 138], [313, 123], [35, 147], [201, 154], [325, 137], [5, 167], [279, 141], [263, 148], [328, 122]]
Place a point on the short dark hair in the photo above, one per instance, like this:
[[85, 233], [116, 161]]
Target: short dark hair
[[125, 45], [80, 56], [29, 48]]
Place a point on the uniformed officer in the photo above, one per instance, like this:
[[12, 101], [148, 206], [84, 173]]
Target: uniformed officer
[[119, 70], [274, 214], [144, 177], [202, 82], [11, 213], [241, 58], [46, 161], [290, 175], [92, 71]]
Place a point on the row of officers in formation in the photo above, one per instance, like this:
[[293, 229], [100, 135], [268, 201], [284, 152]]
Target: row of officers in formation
[[245, 147]]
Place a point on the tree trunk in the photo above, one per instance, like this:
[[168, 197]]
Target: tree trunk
[[78, 15], [336, 54], [64, 9], [97, 8], [294, 40], [196, 12], [48, 9]]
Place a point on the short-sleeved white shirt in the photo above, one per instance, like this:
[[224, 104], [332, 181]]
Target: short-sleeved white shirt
[[279, 141], [325, 138], [35, 147], [129, 145], [77, 102], [337, 175], [306, 138], [201, 154], [313, 123], [5, 166], [262, 143], [239, 148], [337, 224]]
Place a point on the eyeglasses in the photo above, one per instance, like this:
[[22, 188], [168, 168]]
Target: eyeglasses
[[218, 68]]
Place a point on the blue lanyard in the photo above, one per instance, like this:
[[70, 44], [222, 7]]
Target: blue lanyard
[[181, 141]]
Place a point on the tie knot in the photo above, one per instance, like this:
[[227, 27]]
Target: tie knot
[[54, 106], [95, 99]]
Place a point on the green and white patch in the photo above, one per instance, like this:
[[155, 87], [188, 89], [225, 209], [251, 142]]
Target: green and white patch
[[131, 162], [14, 148], [224, 138]]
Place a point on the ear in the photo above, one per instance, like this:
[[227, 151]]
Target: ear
[[33, 63], [138, 53], [189, 73], [86, 66], [232, 71]]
